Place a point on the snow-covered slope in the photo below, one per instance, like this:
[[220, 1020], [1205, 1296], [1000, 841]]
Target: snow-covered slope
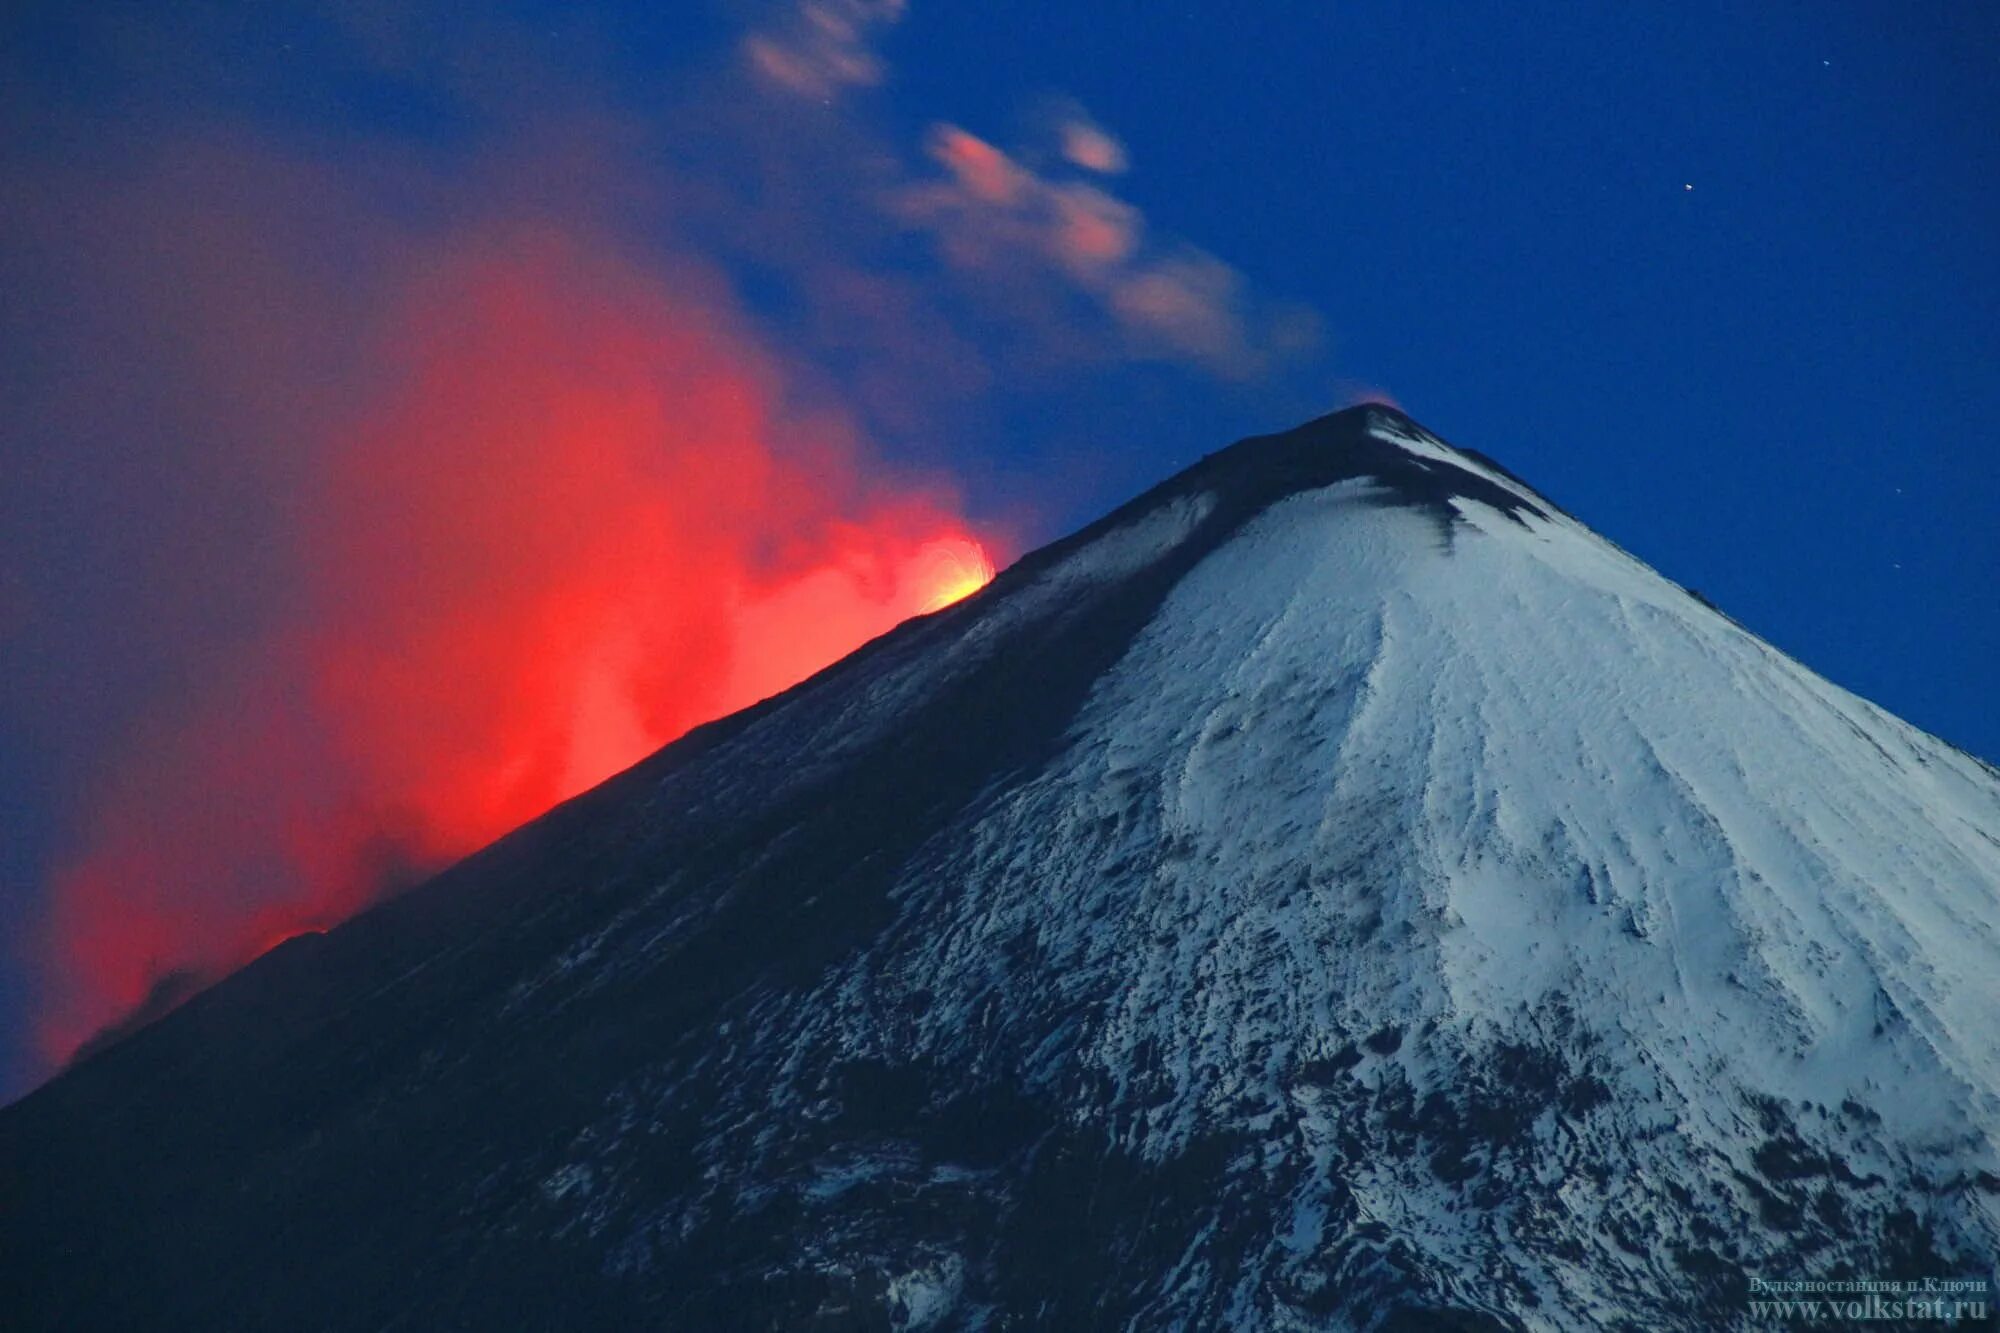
[[1338, 890]]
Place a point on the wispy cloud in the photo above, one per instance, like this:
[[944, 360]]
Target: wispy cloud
[[1089, 145], [1035, 237], [822, 47], [993, 217]]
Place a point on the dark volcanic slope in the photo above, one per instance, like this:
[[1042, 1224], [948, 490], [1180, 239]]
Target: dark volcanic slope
[[1333, 888]]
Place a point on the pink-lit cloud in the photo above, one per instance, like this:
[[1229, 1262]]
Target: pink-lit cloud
[[1089, 145], [821, 48], [993, 217], [1111, 285]]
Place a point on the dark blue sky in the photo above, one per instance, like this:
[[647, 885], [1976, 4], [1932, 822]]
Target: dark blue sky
[[1722, 279]]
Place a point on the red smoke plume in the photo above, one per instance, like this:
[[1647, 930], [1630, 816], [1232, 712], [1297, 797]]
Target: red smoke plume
[[573, 521]]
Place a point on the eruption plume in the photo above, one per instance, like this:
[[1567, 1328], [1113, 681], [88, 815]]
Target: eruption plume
[[574, 519]]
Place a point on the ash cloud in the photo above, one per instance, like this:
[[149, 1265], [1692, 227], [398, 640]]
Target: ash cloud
[[380, 481]]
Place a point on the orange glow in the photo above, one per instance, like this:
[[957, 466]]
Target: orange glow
[[574, 520], [954, 570], [286, 937], [1355, 392]]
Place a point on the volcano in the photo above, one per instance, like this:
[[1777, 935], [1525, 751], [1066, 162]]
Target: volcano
[[1335, 890]]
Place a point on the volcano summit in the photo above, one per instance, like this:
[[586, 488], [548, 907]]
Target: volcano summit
[[1336, 890]]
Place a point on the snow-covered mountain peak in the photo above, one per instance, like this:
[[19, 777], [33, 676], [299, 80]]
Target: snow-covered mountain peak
[[1336, 888], [1374, 440]]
